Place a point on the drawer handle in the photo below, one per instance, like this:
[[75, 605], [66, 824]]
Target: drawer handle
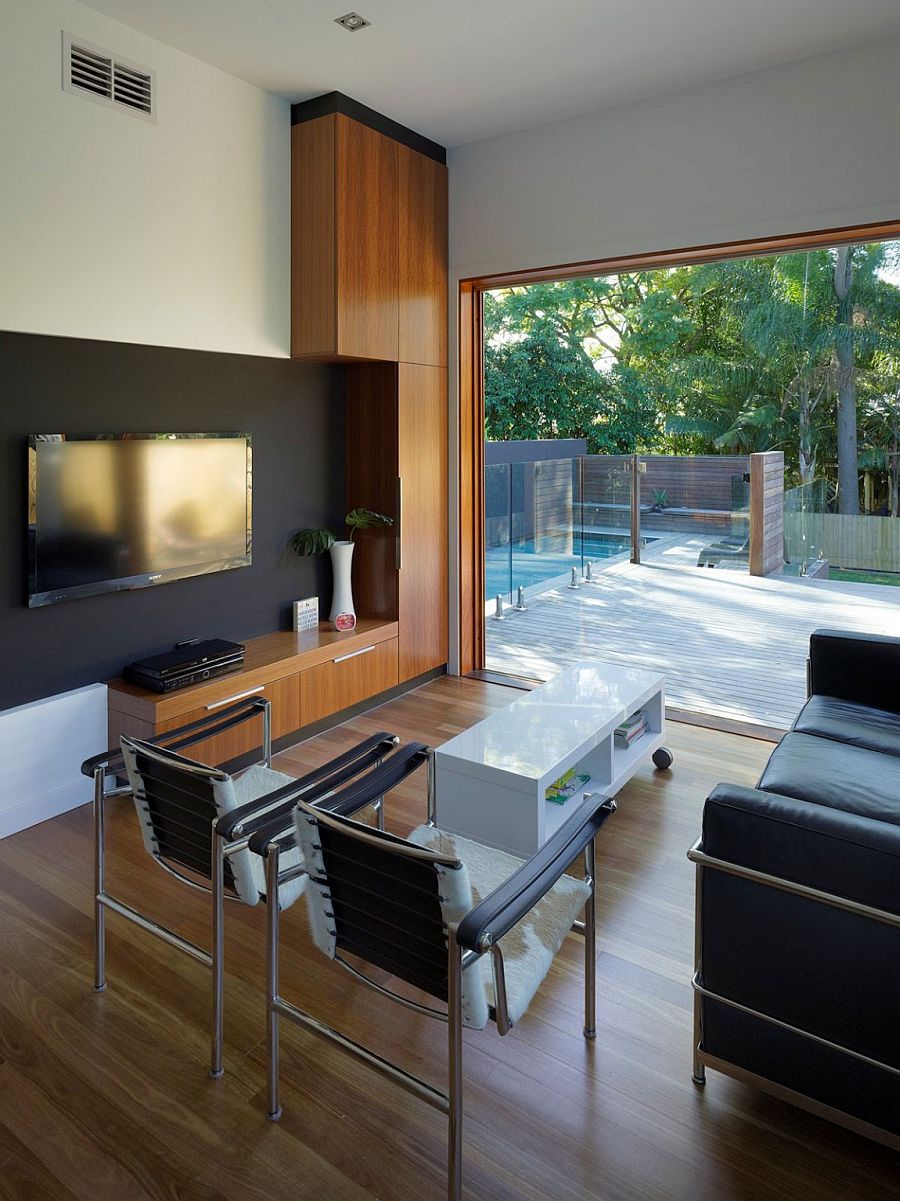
[[352, 655], [238, 696]]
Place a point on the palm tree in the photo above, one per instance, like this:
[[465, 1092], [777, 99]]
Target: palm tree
[[880, 390], [866, 317]]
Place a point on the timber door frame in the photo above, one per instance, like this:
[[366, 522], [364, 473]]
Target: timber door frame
[[471, 383]]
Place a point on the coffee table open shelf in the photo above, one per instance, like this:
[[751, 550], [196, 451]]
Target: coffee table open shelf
[[491, 781]]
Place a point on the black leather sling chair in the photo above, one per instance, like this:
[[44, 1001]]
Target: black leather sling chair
[[406, 906], [196, 823]]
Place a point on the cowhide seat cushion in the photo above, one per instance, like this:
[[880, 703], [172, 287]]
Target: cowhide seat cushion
[[225, 794], [528, 948], [249, 786]]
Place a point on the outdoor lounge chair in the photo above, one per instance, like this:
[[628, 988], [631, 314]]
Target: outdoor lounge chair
[[734, 549]]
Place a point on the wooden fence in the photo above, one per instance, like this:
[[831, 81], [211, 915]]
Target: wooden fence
[[859, 543], [700, 482], [767, 513], [548, 500]]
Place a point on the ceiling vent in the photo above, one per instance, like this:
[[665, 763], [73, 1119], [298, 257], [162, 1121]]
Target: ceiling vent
[[90, 71], [352, 21]]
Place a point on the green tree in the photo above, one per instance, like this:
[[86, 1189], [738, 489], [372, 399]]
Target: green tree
[[735, 356]]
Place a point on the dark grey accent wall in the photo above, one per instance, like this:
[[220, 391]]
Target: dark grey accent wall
[[295, 414]]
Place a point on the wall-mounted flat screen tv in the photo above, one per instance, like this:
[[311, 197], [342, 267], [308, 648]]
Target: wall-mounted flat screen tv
[[110, 512]]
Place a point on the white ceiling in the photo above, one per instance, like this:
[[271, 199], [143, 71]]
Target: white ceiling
[[462, 70]]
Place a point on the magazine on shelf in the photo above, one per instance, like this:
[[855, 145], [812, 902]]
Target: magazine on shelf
[[566, 786]]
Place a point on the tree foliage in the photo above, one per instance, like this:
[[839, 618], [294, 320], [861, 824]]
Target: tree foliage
[[789, 352]]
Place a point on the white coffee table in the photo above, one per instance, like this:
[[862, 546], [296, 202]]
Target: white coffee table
[[491, 781]]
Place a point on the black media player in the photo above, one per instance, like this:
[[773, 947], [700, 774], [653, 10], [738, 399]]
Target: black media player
[[186, 665]]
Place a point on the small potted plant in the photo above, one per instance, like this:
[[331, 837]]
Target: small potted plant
[[317, 541], [660, 500]]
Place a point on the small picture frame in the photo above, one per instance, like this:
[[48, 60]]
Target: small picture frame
[[306, 614]]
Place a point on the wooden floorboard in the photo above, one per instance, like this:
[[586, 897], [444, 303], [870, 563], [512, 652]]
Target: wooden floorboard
[[106, 1096], [730, 644]]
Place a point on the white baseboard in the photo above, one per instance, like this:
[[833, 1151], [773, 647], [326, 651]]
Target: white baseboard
[[39, 808], [42, 747]]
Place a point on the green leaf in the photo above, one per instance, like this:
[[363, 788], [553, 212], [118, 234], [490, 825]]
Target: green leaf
[[365, 519], [311, 542]]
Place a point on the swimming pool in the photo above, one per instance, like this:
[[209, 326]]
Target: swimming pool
[[530, 567]]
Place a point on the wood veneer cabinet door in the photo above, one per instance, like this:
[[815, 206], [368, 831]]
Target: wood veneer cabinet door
[[344, 230], [367, 256], [422, 461], [423, 258], [285, 697], [348, 679], [313, 239]]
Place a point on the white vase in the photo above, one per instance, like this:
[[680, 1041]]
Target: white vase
[[343, 615]]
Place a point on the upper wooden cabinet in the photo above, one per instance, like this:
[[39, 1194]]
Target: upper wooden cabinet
[[423, 259], [344, 221], [369, 242]]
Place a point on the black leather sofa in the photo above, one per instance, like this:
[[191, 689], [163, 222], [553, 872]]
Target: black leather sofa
[[797, 984]]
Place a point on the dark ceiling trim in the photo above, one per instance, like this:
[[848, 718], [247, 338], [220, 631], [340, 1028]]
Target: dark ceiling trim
[[337, 102]]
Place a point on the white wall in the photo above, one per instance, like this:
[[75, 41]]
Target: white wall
[[175, 233], [42, 747], [813, 145]]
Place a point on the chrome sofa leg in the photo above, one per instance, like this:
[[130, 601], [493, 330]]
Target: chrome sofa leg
[[216, 1068], [455, 1091], [99, 882], [273, 915], [590, 945], [698, 1071]]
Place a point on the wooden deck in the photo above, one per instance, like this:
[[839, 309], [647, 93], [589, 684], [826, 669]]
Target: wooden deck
[[730, 644]]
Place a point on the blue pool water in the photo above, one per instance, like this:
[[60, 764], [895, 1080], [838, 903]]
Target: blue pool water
[[530, 567]]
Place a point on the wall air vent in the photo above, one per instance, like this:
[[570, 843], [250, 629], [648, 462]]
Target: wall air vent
[[90, 71]]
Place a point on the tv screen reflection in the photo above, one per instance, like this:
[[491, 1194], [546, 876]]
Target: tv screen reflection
[[109, 510]]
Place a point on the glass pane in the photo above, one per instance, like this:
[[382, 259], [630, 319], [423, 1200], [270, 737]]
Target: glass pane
[[544, 504], [604, 527], [497, 528], [695, 510], [804, 531]]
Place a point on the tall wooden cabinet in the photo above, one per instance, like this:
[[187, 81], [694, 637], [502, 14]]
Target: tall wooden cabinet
[[369, 288]]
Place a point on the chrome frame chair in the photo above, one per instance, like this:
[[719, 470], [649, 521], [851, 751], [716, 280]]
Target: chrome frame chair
[[205, 842], [362, 873]]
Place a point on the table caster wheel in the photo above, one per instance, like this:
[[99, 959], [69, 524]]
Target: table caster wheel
[[663, 758]]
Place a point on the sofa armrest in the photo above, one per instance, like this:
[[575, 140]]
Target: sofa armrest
[[835, 852], [864, 668]]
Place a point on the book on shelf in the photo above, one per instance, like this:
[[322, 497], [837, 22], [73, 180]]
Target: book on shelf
[[566, 786], [631, 729]]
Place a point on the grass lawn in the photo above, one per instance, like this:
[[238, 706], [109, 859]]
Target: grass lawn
[[865, 577]]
